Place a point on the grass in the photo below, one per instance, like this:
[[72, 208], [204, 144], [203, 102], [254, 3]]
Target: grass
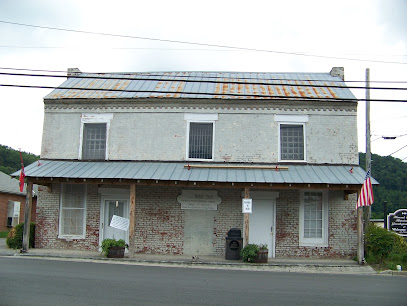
[[4, 234]]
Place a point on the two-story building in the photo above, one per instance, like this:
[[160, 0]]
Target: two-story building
[[175, 153]]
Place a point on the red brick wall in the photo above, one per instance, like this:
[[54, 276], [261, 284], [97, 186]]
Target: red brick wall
[[47, 229], [342, 239], [160, 222], [4, 198]]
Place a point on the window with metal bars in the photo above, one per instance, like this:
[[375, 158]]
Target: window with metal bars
[[291, 142], [94, 141], [200, 140]]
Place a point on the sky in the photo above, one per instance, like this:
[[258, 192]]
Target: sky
[[353, 34]]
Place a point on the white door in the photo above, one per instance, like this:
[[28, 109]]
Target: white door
[[261, 224], [119, 208], [198, 232]]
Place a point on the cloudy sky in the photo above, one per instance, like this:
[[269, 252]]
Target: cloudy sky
[[352, 34]]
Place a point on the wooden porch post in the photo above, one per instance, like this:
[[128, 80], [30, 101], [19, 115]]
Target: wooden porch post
[[132, 225], [27, 217], [361, 247], [246, 219]]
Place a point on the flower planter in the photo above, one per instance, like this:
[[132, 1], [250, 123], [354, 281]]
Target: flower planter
[[261, 257], [116, 252]]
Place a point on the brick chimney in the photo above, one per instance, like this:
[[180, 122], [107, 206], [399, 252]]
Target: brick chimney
[[73, 72], [338, 71]]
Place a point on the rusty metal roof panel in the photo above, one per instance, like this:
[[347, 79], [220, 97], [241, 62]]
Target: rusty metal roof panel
[[212, 85]]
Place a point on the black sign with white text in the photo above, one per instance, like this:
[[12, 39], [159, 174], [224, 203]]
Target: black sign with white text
[[397, 222]]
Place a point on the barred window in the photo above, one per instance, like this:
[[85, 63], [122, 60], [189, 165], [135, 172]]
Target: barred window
[[94, 141], [73, 210], [291, 142], [200, 140]]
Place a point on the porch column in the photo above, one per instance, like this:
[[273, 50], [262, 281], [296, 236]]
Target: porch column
[[27, 217], [361, 247], [132, 225], [246, 219]]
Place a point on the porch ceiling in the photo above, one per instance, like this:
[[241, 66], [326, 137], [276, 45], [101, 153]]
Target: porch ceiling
[[195, 172]]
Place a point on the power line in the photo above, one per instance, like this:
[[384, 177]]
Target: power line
[[198, 44], [205, 79], [397, 150], [157, 93]]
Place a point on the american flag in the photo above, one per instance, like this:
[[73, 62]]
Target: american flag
[[366, 193]]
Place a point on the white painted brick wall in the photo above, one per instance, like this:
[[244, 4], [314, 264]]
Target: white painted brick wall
[[241, 134]]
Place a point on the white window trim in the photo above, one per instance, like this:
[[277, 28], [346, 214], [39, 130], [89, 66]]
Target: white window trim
[[318, 242], [95, 118], [71, 237], [279, 141], [200, 118]]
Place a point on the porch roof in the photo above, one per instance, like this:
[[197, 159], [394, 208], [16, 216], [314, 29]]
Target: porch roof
[[197, 172]]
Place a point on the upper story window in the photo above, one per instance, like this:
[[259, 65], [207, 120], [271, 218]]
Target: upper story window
[[291, 137], [94, 137], [313, 219], [200, 136], [291, 142], [94, 141]]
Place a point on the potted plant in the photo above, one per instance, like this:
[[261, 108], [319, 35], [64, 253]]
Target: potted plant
[[113, 248], [262, 254], [257, 253]]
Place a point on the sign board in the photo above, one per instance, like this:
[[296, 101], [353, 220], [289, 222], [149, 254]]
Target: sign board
[[120, 223], [247, 206], [199, 199], [397, 222]]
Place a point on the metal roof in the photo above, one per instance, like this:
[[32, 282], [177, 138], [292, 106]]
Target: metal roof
[[211, 172], [212, 85], [12, 186]]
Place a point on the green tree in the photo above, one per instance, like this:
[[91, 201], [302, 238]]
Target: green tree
[[10, 159]]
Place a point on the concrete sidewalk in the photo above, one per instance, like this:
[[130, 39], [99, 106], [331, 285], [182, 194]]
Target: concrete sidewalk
[[345, 266]]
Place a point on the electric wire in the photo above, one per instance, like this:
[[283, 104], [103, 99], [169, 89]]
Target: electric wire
[[156, 94], [204, 80], [397, 150], [206, 77], [198, 43]]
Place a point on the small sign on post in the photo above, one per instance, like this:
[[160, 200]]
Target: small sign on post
[[247, 206], [120, 223]]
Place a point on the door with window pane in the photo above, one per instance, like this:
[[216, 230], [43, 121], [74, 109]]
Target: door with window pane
[[119, 208]]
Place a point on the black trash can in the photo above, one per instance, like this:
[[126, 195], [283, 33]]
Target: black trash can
[[234, 243]]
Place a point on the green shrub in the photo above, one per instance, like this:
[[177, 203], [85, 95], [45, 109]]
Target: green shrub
[[108, 243], [385, 248], [15, 236], [249, 252]]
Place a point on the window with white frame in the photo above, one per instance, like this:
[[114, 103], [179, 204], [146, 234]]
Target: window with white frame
[[94, 141], [94, 136], [291, 137], [72, 217], [13, 213], [313, 219], [200, 137], [292, 142]]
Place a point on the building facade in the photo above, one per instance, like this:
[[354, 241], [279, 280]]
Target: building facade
[[175, 153]]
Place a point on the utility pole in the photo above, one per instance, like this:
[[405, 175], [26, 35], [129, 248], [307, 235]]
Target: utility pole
[[368, 150]]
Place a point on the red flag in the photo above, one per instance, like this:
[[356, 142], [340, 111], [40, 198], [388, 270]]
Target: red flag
[[366, 193], [22, 174]]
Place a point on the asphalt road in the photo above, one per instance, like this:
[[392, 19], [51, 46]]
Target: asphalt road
[[28, 281]]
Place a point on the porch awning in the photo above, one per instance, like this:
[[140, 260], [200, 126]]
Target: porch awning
[[188, 172]]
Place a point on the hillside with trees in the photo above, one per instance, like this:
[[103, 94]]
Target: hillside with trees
[[391, 173], [10, 159]]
